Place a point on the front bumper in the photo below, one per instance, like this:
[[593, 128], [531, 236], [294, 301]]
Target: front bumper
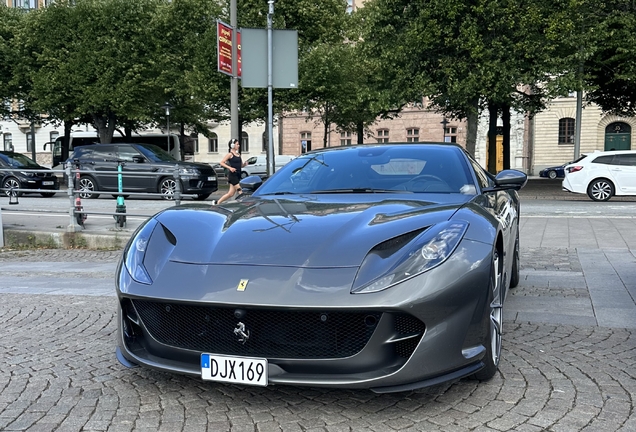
[[424, 331], [200, 185]]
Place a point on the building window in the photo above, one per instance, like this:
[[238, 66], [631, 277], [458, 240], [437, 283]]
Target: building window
[[29, 138], [264, 149], [350, 6], [412, 135], [345, 138], [450, 134], [382, 136], [566, 131], [25, 4], [8, 142], [245, 142], [305, 142], [213, 143], [53, 136]]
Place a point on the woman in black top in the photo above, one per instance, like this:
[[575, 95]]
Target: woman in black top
[[233, 163]]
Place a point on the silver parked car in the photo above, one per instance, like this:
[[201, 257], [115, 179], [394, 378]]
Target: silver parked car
[[373, 266]]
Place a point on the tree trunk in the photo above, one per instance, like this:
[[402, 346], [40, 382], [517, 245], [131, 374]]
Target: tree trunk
[[506, 136], [105, 125], [471, 127], [360, 132], [492, 138], [326, 124]]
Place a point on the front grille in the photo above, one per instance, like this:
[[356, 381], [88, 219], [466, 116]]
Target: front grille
[[308, 334]]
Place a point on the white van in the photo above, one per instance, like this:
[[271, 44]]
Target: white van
[[257, 165]]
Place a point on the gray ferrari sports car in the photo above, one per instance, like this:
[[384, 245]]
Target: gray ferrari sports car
[[374, 266]]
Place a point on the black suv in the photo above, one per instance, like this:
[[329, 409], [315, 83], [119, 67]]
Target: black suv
[[101, 160], [11, 162]]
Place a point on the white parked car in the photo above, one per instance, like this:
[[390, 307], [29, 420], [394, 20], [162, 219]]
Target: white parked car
[[257, 165], [601, 175]]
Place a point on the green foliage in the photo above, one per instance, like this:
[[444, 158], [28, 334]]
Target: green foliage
[[10, 21]]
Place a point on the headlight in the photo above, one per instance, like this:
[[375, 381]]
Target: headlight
[[27, 174], [189, 171], [428, 251], [134, 260]]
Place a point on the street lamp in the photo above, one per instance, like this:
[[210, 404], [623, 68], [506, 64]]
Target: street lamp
[[444, 122], [167, 107]]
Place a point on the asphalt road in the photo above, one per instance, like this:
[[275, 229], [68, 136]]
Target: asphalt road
[[568, 356]]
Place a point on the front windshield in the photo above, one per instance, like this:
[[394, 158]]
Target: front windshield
[[18, 160], [399, 169], [155, 154]]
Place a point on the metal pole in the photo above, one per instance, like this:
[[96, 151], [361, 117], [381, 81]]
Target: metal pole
[[577, 124], [33, 156], [234, 118], [270, 112], [168, 126]]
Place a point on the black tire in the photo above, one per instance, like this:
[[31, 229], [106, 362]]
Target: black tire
[[514, 275], [167, 188], [88, 185], [120, 220], [552, 175], [47, 194], [600, 190], [493, 338], [12, 182], [201, 197]]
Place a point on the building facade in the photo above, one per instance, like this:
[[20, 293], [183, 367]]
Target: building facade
[[554, 128]]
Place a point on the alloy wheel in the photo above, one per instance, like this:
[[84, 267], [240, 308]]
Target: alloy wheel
[[168, 188], [86, 186], [11, 183], [496, 311], [601, 190]]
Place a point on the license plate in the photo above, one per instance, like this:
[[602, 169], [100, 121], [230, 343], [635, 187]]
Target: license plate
[[211, 178], [47, 183], [237, 370]]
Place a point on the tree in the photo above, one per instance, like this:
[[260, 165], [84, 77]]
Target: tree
[[91, 59], [10, 21], [462, 55], [610, 76]]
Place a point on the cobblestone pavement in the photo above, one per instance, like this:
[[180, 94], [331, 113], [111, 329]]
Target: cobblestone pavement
[[58, 372]]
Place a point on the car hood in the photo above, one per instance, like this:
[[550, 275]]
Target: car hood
[[298, 232]]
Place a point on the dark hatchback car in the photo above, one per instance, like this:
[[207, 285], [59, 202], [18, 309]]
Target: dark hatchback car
[[146, 168], [11, 179]]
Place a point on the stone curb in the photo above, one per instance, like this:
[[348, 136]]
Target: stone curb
[[67, 240]]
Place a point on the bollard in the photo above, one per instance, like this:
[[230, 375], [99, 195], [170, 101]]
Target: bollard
[[72, 226], [177, 186], [1, 230]]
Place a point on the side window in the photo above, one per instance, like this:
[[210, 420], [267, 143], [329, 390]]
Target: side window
[[482, 178], [252, 160], [605, 160], [105, 153], [126, 153], [625, 159]]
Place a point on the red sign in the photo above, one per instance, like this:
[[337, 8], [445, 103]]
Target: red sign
[[225, 38]]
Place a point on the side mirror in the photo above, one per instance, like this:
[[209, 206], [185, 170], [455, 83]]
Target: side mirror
[[251, 183], [138, 159], [510, 179]]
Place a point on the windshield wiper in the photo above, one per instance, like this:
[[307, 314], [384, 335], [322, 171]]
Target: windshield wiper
[[358, 190], [281, 193], [314, 158]]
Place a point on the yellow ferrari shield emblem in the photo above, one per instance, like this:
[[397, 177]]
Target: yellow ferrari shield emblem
[[242, 285]]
